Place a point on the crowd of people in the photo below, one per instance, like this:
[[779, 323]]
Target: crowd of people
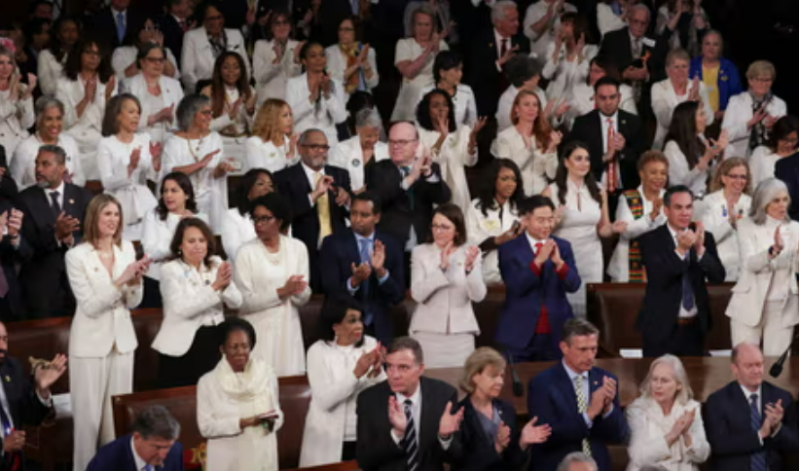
[[519, 147]]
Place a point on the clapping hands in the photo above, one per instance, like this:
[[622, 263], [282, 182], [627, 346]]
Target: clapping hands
[[533, 435]]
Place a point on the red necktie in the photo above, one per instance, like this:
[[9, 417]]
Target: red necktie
[[612, 179], [543, 326]]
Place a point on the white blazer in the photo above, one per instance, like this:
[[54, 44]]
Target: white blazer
[[271, 78], [737, 114], [103, 318], [124, 56], [536, 167], [679, 173], [647, 446], [22, 163], [349, 156], [336, 65], [664, 101], [260, 154], [465, 109], [480, 228], [157, 237], [171, 94], [15, 118], [619, 266], [334, 390], [190, 303], [607, 20], [762, 164], [323, 115], [452, 158], [197, 57], [236, 231], [759, 273], [444, 299], [714, 214], [50, 70]]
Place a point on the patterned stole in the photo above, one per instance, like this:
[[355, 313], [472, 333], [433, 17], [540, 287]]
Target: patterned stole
[[636, 271]]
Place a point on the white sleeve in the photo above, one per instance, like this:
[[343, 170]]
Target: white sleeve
[[327, 392], [644, 449], [210, 423], [178, 302], [93, 299], [254, 298]]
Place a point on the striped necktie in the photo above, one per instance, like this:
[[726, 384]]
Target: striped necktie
[[758, 461], [583, 404], [410, 439]]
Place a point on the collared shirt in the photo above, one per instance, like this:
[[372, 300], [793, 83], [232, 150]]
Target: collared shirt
[[498, 38], [416, 414], [115, 14], [748, 393], [60, 198], [573, 376], [311, 175], [533, 242], [141, 465], [371, 240], [606, 125], [683, 313]]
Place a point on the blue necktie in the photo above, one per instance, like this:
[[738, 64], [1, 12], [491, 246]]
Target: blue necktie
[[120, 26], [410, 192], [364, 253], [354, 5], [686, 283], [758, 461], [149, 467]]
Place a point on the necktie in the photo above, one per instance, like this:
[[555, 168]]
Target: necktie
[[636, 49], [183, 25], [323, 211], [120, 26], [410, 192], [410, 439], [13, 461], [54, 203], [583, 404], [503, 46], [364, 252], [758, 461], [687, 300], [612, 179], [354, 5]]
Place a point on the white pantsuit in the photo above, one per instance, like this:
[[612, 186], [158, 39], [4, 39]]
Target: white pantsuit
[[124, 56], [23, 162], [535, 166], [16, 116], [714, 214], [102, 342], [324, 115], [171, 95], [453, 157], [271, 77], [348, 155], [619, 266], [493, 224], [664, 100], [738, 113], [197, 56]]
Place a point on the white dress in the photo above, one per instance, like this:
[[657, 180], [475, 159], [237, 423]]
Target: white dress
[[619, 266], [23, 163], [465, 109], [410, 91], [157, 237], [535, 166], [234, 131], [713, 211], [124, 56], [50, 71], [136, 199], [324, 115], [259, 274], [271, 78], [210, 193], [261, 154], [15, 118], [762, 165], [579, 228], [452, 158], [236, 231], [480, 228]]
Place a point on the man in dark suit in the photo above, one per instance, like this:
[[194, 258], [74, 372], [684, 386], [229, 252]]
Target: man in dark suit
[[153, 445], [678, 260], [746, 425], [490, 50], [538, 271], [367, 265], [115, 22], [408, 187], [786, 169], [174, 24], [24, 403], [578, 401], [252, 21], [53, 219], [319, 195], [8, 187], [406, 422], [332, 13]]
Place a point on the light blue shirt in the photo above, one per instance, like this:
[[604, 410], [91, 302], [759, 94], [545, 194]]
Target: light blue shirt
[[371, 240]]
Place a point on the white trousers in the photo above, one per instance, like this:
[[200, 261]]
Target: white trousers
[[775, 335], [92, 382]]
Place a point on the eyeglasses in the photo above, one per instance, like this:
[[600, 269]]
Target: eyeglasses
[[346, 30], [401, 142], [317, 147], [150, 28], [262, 219], [205, 112]]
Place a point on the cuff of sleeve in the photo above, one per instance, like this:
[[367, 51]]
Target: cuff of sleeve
[[611, 411], [563, 272], [383, 279], [589, 422], [432, 178], [446, 443], [45, 402], [536, 269], [350, 287]]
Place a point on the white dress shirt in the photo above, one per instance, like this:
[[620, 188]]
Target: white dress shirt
[[141, 465], [683, 313], [49, 192]]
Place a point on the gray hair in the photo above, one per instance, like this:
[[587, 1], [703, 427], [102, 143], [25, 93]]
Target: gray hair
[[61, 155], [499, 9], [46, 102], [576, 457], [765, 193], [188, 108], [639, 7], [685, 394], [368, 118], [303, 139], [157, 422]]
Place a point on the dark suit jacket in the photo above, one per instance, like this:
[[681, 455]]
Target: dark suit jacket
[[786, 169], [293, 185], [8, 187], [118, 456], [589, 130], [235, 12], [662, 299], [12, 306], [173, 35], [731, 435], [376, 449], [526, 292], [337, 254], [481, 73], [399, 215], [44, 279], [479, 453], [552, 398], [104, 25]]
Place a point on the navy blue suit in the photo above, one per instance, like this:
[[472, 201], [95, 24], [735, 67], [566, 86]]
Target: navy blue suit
[[552, 398], [341, 250], [118, 456], [786, 169], [526, 293], [731, 435]]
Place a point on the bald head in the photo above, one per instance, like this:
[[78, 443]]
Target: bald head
[[747, 364], [403, 142]]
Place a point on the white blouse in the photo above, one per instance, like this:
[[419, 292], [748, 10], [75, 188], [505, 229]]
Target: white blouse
[[271, 78], [349, 156], [480, 227], [679, 173], [124, 56], [324, 115], [23, 163], [713, 211], [618, 268], [266, 155], [465, 109], [453, 157], [408, 49], [157, 236], [535, 166], [762, 165], [16, 116], [236, 231]]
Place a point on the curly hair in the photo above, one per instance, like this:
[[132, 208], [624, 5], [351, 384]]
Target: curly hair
[[487, 191], [265, 124], [74, 64], [424, 111]]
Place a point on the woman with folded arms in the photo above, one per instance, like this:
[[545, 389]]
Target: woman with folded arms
[[196, 286], [238, 408], [722, 209], [272, 272], [124, 61], [272, 145], [106, 280], [237, 227], [65, 33], [16, 103], [666, 423], [275, 61], [340, 366], [446, 278], [782, 143]]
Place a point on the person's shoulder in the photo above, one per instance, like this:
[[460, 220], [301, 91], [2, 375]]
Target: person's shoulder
[[654, 234], [110, 455], [82, 192], [724, 394], [292, 243], [30, 193], [601, 372], [545, 378], [421, 250], [374, 393], [787, 163], [436, 386]]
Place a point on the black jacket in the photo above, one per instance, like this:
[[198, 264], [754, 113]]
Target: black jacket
[[481, 72], [479, 452], [104, 26]]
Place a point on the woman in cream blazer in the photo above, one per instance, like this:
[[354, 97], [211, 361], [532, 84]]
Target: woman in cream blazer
[[271, 76], [664, 98], [446, 278], [764, 304], [349, 154]]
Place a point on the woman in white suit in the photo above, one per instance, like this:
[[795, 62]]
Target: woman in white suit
[[448, 70], [316, 99], [237, 227], [159, 94], [782, 143], [764, 304], [202, 46], [727, 203], [238, 408], [359, 153], [272, 272], [340, 366], [272, 146], [63, 36], [750, 115], [453, 146], [106, 280], [446, 278], [196, 286], [568, 58], [352, 62], [275, 61], [16, 103], [667, 431], [674, 90]]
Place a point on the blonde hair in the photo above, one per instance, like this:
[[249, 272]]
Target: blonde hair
[[759, 68], [726, 166], [476, 363], [91, 233], [266, 122], [685, 393]]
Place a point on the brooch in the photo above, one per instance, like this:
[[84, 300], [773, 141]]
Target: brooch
[[355, 163]]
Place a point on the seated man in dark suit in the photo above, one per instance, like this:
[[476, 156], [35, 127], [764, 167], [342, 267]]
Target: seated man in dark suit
[[367, 265], [750, 423], [152, 446], [538, 271], [578, 401], [8, 187], [678, 260], [52, 224], [319, 195], [786, 169], [406, 422], [113, 23]]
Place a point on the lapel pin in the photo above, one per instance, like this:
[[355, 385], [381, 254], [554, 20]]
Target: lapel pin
[[8, 379]]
